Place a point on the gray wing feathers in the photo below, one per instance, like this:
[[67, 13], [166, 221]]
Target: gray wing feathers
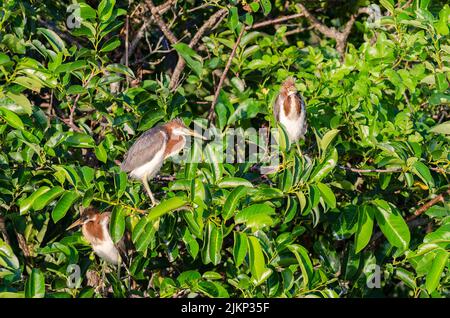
[[144, 149], [276, 107]]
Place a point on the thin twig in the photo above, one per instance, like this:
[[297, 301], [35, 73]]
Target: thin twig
[[163, 8], [274, 21], [194, 41], [74, 106], [224, 74], [297, 30], [121, 204], [393, 170]]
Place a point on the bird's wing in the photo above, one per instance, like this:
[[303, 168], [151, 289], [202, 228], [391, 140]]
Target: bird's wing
[[125, 247], [144, 149], [276, 107]]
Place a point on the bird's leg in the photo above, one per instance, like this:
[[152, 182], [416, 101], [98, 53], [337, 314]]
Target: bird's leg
[[103, 285], [149, 192], [118, 269]]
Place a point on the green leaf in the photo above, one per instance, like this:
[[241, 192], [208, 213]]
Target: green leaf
[[324, 168], [232, 201], [364, 231], [190, 56], [27, 203], [35, 285], [233, 18], [55, 41], [15, 44], [301, 254], [43, 200], [4, 59], [120, 183], [388, 4], [233, 182], [71, 66], [80, 140], [392, 224], [327, 139], [443, 128], [110, 45], [246, 110], [434, 275], [105, 9], [327, 195], [239, 248], [257, 262], [100, 153], [291, 209], [422, 171], [17, 103], [11, 118], [406, 276], [191, 243], [117, 223], [121, 69], [255, 216], [213, 240], [267, 6], [166, 206], [63, 205], [142, 234]]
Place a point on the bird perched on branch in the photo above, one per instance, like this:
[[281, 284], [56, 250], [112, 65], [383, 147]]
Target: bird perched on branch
[[290, 110], [95, 228], [146, 156]]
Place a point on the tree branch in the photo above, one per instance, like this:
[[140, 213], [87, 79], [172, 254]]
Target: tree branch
[[194, 41], [331, 32], [371, 170], [159, 21], [224, 74], [163, 8], [274, 21], [429, 204]]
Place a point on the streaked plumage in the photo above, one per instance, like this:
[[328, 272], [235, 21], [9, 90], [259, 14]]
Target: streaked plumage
[[146, 156], [290, 110], [95, 228]]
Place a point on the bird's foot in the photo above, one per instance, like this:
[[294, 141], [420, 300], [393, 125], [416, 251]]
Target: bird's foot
[[154, 203]]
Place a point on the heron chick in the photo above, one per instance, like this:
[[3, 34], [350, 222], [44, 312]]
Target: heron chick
[[146, 156], [95, 228], [290, 110]]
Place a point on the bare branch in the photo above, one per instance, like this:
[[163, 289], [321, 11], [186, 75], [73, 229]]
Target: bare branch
[[224, 74], [163, 8], [371, 170], [159, 21], [275, 21], [429, 204], [206, 26], [331, 32]]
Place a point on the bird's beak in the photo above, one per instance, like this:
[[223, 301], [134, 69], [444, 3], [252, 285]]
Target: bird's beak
[[194, 134], [75, 224]]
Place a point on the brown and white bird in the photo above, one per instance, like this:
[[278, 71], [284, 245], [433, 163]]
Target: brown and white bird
[[95, 228], [290, 110], [146, 156]]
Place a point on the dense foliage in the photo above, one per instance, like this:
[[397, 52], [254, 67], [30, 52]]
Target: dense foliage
[[72, 102]]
